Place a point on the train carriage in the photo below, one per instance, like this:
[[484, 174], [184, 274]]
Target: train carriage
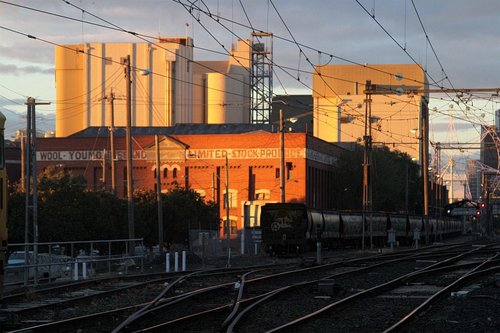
[[293, 228], [284, 227]]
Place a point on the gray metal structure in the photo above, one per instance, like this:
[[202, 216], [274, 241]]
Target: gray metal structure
[[261, 79]]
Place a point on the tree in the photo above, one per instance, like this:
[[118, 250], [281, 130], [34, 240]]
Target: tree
[[15, 214], [388, 181], [185, 210], [67, 211]]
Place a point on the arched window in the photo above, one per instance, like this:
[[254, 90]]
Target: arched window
[[165, 173]]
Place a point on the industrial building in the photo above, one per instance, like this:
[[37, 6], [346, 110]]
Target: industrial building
[[167, 86], [197, 156], [210, 120], [340, 106]]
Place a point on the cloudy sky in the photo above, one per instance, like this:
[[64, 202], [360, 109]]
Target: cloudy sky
[[464, 35]]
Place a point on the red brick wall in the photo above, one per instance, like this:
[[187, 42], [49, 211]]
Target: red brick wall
[[249, 175]]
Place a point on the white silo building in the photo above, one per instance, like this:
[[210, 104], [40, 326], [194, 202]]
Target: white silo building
[[177, 90]]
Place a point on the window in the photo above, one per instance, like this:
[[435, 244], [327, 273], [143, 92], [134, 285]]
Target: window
[[289, 172], [174, 173], [277, 175], [262, 194], [233, 222], [233, 198], [165, 173]]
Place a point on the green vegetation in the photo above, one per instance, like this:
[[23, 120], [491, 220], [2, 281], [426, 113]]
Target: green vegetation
[[67, 211], [389, 181]]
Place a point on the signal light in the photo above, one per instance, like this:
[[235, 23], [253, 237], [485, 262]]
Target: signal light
[[478, 213], [482, 205]]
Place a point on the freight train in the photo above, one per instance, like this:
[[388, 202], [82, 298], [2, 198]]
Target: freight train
[[294, 228], [3, 206]]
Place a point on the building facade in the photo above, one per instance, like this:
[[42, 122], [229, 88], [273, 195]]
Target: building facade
[[340, 105], [167, 86], [197, 157]]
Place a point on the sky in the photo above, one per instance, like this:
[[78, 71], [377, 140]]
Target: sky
[[456, 41]]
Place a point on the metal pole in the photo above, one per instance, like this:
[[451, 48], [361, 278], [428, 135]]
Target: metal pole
[[407, 187], [282, 157], [452, 164], [104, 166], [35, 191], [425, 167], [31, 169], [158, 195], [228, 223], [112, 141], [366, 162], [370, 162], [23, 166], [27, 187], [130, 189]]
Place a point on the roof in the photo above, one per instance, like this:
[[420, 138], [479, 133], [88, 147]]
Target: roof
[[180, 129]]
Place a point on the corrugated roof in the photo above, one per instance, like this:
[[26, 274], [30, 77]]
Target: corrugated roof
[[180, 129]]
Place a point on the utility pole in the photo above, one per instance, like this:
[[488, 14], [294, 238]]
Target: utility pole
[[112, 140], [452, 164], [158, 195], [425, 165], [228, 222], [23, 172], [130, 189], [367, 138], [111, 98], [27, 185], [282, 157], [437, 177], [31, 169]]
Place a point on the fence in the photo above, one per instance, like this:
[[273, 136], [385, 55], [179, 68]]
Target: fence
[[31, 262]]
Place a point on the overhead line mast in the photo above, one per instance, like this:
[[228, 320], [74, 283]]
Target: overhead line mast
[[373, 89]]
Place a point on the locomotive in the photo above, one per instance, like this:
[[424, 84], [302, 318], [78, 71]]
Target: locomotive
[[294, 228]]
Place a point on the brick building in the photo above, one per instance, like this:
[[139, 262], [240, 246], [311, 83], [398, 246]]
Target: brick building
[[194, 156]]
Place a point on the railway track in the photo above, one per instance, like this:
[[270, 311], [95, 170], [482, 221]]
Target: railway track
[[377, 306], [61, 303], [195, 313], [236, 300]]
